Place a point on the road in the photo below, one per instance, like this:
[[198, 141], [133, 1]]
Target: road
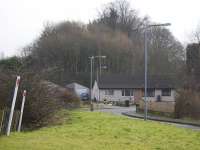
[[116, 110]]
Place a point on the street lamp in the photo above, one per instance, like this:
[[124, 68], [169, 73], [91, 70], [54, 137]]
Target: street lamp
[[91, 74], [146, 66], [91, 66]]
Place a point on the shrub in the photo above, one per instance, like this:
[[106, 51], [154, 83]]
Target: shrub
[[7, 83], [46, 98], [43, 98], [187, 104]]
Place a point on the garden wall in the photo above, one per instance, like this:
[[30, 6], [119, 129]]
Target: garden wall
[[165, 107]]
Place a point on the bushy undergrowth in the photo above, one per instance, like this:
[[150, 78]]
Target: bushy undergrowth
[[47, 98], [6, 89], [43, 99], [187, 104]]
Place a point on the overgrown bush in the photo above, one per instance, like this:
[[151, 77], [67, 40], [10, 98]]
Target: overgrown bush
[[43, 99], [7, 83], [187, 104]]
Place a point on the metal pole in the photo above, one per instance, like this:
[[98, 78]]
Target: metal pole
[[145, 74], [97, 74], [146, 64], [99, 79], [2, 117], [22, 109], [99, 66], [13, 105], [91, 65]]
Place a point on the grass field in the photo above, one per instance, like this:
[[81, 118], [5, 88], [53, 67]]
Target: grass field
[[100, 131]]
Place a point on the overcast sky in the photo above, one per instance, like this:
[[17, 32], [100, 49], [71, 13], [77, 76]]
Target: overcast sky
[[23, 20]]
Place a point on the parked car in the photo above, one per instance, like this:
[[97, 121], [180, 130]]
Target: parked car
[[84, 96]]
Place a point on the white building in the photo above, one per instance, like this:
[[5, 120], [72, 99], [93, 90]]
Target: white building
[[125, 87]]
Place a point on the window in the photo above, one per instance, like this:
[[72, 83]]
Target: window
[[166, 92], [150, 92], [127, 92], [109, 92]]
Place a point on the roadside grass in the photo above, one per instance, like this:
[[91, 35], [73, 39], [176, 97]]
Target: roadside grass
[[101, 131]]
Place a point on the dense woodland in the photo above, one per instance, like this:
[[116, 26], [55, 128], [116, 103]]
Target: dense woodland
[[62, 50]]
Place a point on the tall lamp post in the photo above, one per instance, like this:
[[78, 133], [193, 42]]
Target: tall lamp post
[[146, 66], [91, 77], [91, 68]]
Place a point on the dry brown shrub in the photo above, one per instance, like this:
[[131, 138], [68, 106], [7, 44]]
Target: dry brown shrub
[[187, 104]]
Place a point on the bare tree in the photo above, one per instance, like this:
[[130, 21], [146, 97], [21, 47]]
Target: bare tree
[[194, 36], [197, 34], [119, 15]]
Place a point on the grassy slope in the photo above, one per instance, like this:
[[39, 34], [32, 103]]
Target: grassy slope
[[99, 131]]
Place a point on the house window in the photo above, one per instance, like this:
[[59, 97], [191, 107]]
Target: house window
[[150, 93], [166, 92], [109, 92], [127, 92]]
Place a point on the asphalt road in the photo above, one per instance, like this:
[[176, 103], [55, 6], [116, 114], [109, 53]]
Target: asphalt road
[[116, 110]]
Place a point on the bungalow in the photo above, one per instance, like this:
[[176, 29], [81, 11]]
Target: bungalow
[[126, 87]]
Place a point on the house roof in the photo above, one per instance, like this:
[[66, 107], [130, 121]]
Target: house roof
[[76, 86], [129, 81]]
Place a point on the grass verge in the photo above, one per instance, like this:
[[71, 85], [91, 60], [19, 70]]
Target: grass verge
[[101, 131]]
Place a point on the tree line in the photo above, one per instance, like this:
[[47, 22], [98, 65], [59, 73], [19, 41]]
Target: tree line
[[62, 49]]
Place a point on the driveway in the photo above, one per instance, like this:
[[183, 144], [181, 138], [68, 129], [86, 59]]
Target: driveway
[[117, 110]]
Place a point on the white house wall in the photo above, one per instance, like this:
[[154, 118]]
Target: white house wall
[[163, 98], [95, 91], [117, 96]]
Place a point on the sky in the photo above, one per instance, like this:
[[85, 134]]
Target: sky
[[22, 21]]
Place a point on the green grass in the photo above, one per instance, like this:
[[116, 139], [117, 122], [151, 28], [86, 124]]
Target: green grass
[[101, 131]]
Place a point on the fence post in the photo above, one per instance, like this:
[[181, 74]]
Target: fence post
[[22, 109], [13, 105]]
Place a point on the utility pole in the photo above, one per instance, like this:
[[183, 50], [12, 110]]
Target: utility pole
[[92, 58], [99, 66], [99, 70]]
